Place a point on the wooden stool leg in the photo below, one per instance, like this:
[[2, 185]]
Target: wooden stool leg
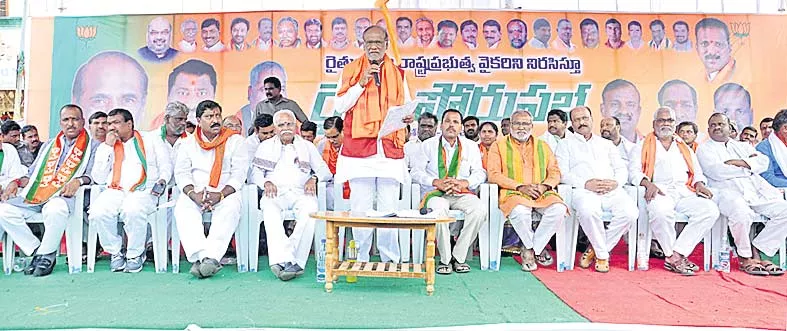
[[430, 246], [330, 251]]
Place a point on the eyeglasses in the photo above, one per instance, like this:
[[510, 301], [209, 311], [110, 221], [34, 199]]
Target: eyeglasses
[[665, 121], [521, 124]]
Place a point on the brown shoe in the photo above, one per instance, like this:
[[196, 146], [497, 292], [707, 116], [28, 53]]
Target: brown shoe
[[602, 265], [587, 258]]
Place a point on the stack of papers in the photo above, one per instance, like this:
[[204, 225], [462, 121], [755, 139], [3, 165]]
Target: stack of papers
[[405, 213]]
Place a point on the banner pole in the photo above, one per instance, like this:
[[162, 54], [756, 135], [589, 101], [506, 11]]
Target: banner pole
[[20, 67]]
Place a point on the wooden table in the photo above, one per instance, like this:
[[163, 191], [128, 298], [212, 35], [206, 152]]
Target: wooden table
[[335, 268]]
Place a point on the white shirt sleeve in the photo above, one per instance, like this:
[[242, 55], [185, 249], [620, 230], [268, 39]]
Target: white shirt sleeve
[[104, 158], [635, 165], [618, 165], [343, 103], [12, 166], [319, 166], [563, 156], [163, 159], [239, 163], [477, 172], [422, 154], [259, 176], [183, 164]]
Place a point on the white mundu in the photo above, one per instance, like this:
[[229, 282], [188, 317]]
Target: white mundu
[[375, 178], [193, 167], [670, 175], [425, 171], [130, 199], [581, 160], [289, 167], [743, 194]]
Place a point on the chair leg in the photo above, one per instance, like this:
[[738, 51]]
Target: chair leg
[[74, 240], [632, 244], [175, 249], [254, 245], [242, 245], [92, 239], [706, 248], [8, 253], [483, 232]]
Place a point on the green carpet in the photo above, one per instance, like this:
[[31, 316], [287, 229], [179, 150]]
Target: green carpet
[[232, 299]]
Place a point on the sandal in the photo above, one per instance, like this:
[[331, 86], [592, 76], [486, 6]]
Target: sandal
[[681, 267], [693, 266], [545, 259], [602, 265], [587, 258], [771, 268], [460, 268], [753, 268], [443, 269], [656, 251], [528, 260]]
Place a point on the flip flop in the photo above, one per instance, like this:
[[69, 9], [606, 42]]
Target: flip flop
[[771, 268], [444, 269], [528, 260], [754, 269], [545, 258], [460, 268]]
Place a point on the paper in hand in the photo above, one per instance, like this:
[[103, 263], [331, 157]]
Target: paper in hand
[[393, 121]]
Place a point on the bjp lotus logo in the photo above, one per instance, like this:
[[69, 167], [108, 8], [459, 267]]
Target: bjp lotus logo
[[86, 33], [740, 30]]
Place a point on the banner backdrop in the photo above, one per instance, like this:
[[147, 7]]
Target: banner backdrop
[[484, 63]]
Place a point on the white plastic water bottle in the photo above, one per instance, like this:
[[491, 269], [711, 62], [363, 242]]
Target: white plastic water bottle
[[642, 256], [724, 256], [321, 262]]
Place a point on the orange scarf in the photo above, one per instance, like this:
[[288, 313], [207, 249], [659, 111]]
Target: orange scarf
[[694, 146], [330, 154], [120, 155], [373, 104], [484, 152], [218, 143], [50, 179], [649, 157]]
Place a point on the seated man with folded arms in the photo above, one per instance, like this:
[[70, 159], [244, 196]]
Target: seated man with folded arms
[[211, 167], [448, 167], [527, 173], [329, 149], [594, 168], [132, 165], [733, 168], [775, 148], [283, 167], [674, 182], [49, 188]]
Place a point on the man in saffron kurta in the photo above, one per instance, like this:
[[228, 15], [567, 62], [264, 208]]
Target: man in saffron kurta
[[131, 164], [210, 169], [527, 173], [373, 165], [49, 189]]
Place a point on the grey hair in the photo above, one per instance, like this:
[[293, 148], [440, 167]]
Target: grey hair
[[288, 19], [280, 113], [176, 107], [663, 109], [182, 25], [521, 111]]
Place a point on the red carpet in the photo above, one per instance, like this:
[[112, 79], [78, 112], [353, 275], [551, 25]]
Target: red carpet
[[659, 297]]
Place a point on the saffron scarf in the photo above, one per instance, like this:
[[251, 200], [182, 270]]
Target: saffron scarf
[[514, 169], [330, 154], [649, 157], [120, 155], [218, 144], [373, 104], [446, 171], [49, 178]]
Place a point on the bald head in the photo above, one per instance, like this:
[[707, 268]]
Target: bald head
[[111, 80]]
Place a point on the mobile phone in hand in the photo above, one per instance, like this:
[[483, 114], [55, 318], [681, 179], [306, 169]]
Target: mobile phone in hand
[[159, 188]]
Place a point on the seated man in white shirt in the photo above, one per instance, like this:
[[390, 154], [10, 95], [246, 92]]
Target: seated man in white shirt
[[674, 182], [733, 169], [557, 122], [427, 128], [448, 168], [263, 130], [610, 129], [210, 169], [137, 169], [594, 168], [283, 167]]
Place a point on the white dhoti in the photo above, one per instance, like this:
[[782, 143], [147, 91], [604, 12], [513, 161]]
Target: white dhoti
[[294, 249], [475, 215], [702, 214], [365, 193], [131, 208], [14, 218], [589, 207], [224, 221], [521, 219], [740, 216]]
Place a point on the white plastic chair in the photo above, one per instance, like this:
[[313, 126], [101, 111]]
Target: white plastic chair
[[158, 231], [254, 220], [73, 237], [241, 237], [494, 232], [483, 233], [567, 193], [643, 230]]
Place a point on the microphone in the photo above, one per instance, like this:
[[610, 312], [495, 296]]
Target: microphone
[[376, 74], [425, 211]]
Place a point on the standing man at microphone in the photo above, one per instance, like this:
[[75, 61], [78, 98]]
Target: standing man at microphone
[[374, 165]]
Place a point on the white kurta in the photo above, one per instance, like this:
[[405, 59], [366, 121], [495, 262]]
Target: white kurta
[[12, 167], [251, 142], [290, 180], [411, 149], [552, 140], [370, 177], [581, 160], [425, 171], [670, 176], [743, 194], [193, 167], [132, 208], [625, 148]]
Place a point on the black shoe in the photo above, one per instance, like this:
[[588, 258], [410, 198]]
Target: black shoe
[[45, 265], [149, 252], [209, 267], [32, 266]]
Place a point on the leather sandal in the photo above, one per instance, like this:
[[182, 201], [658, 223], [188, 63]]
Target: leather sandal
[[602, 265], [587, 258]]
